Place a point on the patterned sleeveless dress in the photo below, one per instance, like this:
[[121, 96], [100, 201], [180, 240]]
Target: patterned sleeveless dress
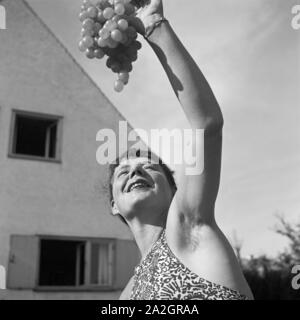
[[161, 276]]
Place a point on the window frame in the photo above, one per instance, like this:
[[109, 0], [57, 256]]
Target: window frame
[[38, 115], [87, 286]]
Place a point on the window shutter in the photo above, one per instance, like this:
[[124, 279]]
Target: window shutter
[[127, 257], [23, 262]]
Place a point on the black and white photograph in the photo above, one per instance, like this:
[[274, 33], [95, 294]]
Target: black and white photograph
[[149, 150]]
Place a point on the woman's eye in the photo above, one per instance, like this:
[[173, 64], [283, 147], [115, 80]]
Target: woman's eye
[[150, 167], [122, 173]]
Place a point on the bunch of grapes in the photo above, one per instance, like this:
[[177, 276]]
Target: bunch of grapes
[[107, 32]]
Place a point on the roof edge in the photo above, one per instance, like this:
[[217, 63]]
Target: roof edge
[[74, 60]]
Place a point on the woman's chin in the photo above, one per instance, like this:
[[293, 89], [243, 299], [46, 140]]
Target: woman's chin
[[141, 195], [142, 198]]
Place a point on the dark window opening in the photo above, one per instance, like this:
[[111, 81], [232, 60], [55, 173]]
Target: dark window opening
[[61, 263], [35, 136]]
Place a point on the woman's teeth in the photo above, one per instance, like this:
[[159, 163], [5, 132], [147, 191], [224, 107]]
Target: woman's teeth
[[138, 185]]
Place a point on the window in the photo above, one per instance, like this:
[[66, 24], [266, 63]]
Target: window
[[101, 264], [53, 263], [61, 263], [66, 263], [35, 136]]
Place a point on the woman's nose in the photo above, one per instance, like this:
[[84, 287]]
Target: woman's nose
[[136, 170]]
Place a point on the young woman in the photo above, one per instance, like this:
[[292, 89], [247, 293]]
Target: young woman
[[184, 253]]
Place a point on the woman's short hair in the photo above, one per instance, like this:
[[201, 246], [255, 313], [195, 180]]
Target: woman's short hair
[[137, 153]]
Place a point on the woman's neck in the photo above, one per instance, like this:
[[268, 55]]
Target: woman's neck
[[145, 235]]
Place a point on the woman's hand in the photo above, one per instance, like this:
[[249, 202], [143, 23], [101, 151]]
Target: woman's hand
[[149, 12]]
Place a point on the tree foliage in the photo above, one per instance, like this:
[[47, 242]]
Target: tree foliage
[[271, 278]]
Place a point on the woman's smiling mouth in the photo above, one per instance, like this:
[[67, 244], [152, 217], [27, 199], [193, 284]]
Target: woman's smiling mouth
[[139, 184]]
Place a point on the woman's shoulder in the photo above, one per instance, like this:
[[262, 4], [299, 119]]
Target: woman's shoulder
[[126, 293], [207, 253]]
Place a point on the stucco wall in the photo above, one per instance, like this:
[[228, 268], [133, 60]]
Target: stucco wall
[[32, 295], [37, 74]]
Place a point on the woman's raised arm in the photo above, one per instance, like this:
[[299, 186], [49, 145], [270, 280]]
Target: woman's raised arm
[[196, 194]]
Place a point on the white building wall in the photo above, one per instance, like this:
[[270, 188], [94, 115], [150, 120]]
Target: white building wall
[[37, 74]]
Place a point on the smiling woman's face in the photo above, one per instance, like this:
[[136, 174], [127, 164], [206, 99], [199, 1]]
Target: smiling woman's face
[[138, 185]]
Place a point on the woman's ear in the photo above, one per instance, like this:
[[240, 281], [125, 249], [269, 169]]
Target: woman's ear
[[114, 208]]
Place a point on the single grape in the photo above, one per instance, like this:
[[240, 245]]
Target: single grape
[[82, 47], [137, 45], [117, 35], [109, 62], [119, 86], [119, 9], [124, 38], [129, 9], [90, 53], [88, 41], [99, 54], [102, 42], [111, 25], [100, 17], [123, 76], [122, 24], [85, 32], [116, 67], [88, 24], [131, 32], [92, 12], [108, 13], [83, 15]]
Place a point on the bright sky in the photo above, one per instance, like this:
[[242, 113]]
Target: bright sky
[[250, 56]]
